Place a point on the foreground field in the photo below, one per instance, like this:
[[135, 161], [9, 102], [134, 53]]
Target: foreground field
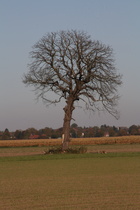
[[88, 181]]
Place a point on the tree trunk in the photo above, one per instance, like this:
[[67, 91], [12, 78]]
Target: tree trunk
[[68, 109]]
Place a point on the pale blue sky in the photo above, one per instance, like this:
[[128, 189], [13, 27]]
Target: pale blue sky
[[24, 22]]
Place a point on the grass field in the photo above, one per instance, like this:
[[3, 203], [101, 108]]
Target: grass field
[[85, 181]]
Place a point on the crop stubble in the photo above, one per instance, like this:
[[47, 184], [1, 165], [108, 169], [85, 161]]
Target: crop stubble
[[80, 183]]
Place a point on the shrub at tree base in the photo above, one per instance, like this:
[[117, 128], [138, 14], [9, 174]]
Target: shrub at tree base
[[58, 150]]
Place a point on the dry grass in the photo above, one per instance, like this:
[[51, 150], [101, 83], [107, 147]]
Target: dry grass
[[106, 140], [31, 142], [74, 141]]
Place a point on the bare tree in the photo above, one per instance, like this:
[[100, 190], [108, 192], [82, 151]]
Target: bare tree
[[74, 67]]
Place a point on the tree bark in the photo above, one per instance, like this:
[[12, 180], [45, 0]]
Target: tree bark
[[68, 109]]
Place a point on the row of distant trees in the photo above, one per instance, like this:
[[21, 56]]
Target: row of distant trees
[[75, 132]]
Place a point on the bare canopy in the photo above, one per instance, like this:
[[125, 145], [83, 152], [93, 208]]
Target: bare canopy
[[74, 67]]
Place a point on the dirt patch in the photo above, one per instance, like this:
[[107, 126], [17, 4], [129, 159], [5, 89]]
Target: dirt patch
[[11, 154], [114, 150]]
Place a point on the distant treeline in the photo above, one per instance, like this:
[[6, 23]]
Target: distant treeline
[[76, 132]]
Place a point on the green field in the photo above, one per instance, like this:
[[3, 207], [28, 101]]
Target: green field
[[87, 181]]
